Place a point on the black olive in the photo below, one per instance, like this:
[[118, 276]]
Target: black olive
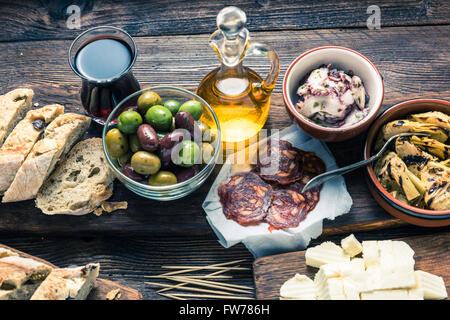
[[39, 124]]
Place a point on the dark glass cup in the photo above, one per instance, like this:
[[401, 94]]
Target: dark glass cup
[[100, 96]]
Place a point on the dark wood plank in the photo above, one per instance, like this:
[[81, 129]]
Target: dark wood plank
[[413, 60], [271, 272], [38, 20], [126, 260], [102, 286]]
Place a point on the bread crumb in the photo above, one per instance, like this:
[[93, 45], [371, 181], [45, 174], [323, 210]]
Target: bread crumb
[[113, 206], [113, 295], [98, 212]]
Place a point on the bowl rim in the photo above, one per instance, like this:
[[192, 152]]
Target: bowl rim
[[369, 170], [173, 186], [399, 213], [309, 123]]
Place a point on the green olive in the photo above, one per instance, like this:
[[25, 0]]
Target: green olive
[[144, 162], [116, 143], [129, 121], [194, 107], [162, 178], [207, 152], [172, 105], [189, 153], [159, 117], [135, 146], [147, 100]]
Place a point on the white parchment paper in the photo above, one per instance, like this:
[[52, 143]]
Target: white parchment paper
[[334, 201]]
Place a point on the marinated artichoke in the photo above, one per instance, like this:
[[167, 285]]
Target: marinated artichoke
[[417, 170]]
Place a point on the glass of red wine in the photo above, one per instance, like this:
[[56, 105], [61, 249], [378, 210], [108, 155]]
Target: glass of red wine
[[103, 58]]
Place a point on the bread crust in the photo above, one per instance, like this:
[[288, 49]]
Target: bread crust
[[13, 107], [59, 137], [70, 283], [21, 141]]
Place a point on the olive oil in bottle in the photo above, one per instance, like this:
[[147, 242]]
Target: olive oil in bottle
[[239, 97]]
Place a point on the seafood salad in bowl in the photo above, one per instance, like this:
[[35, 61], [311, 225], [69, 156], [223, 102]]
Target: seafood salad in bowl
[[332, 97], [333, 93]]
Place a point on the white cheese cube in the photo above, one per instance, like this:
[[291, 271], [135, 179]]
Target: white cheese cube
[[327, 271], [404, 255], [351, 245], [367, 280], [370, 254], [300, 287], [351, 289], [433, 286], [348, 268], [380, 279], [331, 289], [400, 277], [415, 294], [340, 270], [396, 294], [324, 253]]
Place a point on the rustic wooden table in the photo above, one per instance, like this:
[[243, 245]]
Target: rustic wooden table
[[411, 51]]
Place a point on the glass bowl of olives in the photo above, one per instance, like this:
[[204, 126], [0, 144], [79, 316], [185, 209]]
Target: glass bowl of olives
[[162, 143]]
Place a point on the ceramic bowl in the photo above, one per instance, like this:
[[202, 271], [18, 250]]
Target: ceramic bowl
[[399, 209], [344, 59]]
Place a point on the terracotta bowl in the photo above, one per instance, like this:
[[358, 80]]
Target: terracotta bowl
[[399, 209], [345, 59]]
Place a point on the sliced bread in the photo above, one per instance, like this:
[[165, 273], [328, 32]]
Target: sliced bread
[[80, 183], [13, 107], [22, 139], [15, 271], [59, 137], [68, 284]]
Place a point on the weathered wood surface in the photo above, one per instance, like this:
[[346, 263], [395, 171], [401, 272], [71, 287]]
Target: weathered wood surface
[[38, 20], [413, 60], [127, 259], [172, 38], [102, 286], [271, 272]]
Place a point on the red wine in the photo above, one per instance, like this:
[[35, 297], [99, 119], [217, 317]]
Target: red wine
[[103, 62], [103, 59]]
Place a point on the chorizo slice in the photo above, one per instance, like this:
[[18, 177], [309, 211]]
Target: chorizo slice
[[312, 196], [245, 198], [288, 159], [288, 208]]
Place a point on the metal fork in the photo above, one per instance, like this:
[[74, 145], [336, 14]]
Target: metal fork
[[321, 178]]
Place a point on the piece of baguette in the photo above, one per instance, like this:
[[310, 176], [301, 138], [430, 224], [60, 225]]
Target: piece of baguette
[[58, 139], [70, 283], [80, 183], [22, 139], [13, 107]]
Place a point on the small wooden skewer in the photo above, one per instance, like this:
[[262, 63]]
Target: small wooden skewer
[[170, 296], [210, 285], [181, 278], [187, 295], [201, 268], [206, 268], [188, 288], [214, 274], [194, 277]]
